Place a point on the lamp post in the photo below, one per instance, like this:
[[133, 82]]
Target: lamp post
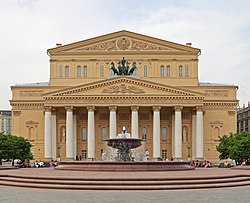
[[58, 152], [188, 148]]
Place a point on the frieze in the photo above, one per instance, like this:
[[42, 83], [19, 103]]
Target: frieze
[[31, 93], [123, 89], [217, 93], [124, 44], [32, 106]]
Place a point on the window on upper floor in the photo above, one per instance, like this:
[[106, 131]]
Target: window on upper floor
[[101, 71], [66, 71], [145, 71], [162, 71], [144, 133], [186, 71], [60, 71], [164, 133], [85, 71], [104, 134], [79, 71], [180, 71], [84, 134], [168, 71]]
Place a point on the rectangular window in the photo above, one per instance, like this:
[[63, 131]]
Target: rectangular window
[[162, 71], [186, 71], [180, 71], [60, 71], [101, 71], [79, 71], [84, 154], [145, 71], [164, 154], [168, 71], [66, 71], [85, 71], [84, 134]]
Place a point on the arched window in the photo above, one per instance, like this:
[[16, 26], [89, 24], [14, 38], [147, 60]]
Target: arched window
[[162, 71], [79, 71], [66, 71], [145, 71], [186, 71], [144, 133], [164, 133], [101, 71], [168, 71], [104, 133], [60, 71], [84, 134], [85, 71], [180, 71]]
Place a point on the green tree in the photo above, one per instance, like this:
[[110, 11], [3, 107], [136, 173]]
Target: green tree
[[14, 147], [235, 146]]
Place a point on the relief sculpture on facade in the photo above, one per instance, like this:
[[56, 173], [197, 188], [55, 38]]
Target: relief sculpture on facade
[[123, 89], [122, 44]]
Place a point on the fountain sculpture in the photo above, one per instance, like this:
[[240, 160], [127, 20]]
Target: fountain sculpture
[[124, 143]]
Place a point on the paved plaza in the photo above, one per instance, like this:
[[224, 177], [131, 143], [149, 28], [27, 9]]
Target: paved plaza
[[232, 194]]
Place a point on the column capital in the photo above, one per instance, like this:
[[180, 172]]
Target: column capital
[[112, 108], [134, 108], [90, 108], [199, 108], [47, 108], [69, 108], [156, 108], [178, 108]]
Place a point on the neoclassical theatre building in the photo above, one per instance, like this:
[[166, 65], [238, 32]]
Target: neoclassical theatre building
[[90, 97]]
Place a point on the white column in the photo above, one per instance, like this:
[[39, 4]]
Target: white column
[[178, 132], [91, 132], [156, 132], [199, 133], [135, 122], [173, 135], [69, 133], [53, 126], [193, 136], [112, 122], [47, 135], [75, 134]]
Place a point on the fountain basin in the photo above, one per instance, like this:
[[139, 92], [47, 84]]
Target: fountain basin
[[130, 143], [124, 166]]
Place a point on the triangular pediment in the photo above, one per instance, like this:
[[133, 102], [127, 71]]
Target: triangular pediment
[[122, 85], [123, 41]]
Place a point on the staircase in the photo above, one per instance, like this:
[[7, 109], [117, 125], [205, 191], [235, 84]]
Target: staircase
[[124, 183]]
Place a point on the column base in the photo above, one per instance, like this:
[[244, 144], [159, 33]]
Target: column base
[[69, 159], [47, 159]]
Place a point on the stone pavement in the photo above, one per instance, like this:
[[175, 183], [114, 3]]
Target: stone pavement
[[228, 195]]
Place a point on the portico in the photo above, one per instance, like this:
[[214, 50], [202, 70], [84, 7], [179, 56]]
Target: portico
[[105, 120]]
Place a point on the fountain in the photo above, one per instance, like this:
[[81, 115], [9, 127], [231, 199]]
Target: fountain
[[123, 158], [124, 143]]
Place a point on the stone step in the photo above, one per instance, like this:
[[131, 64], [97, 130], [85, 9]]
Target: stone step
[[123, 182], [124, 187]]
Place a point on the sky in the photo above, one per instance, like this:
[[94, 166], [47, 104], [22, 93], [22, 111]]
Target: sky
[[220, 28]]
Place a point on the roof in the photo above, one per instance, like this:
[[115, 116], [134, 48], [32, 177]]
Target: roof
[[37, 84], [214, 84]]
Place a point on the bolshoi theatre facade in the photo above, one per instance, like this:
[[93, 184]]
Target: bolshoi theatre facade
[[89, 98]]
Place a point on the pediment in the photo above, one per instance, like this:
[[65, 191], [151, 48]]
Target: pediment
[[123, 85], [123, 41]]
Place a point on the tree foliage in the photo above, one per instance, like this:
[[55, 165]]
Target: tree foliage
[[14, 147], [235, 146]]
